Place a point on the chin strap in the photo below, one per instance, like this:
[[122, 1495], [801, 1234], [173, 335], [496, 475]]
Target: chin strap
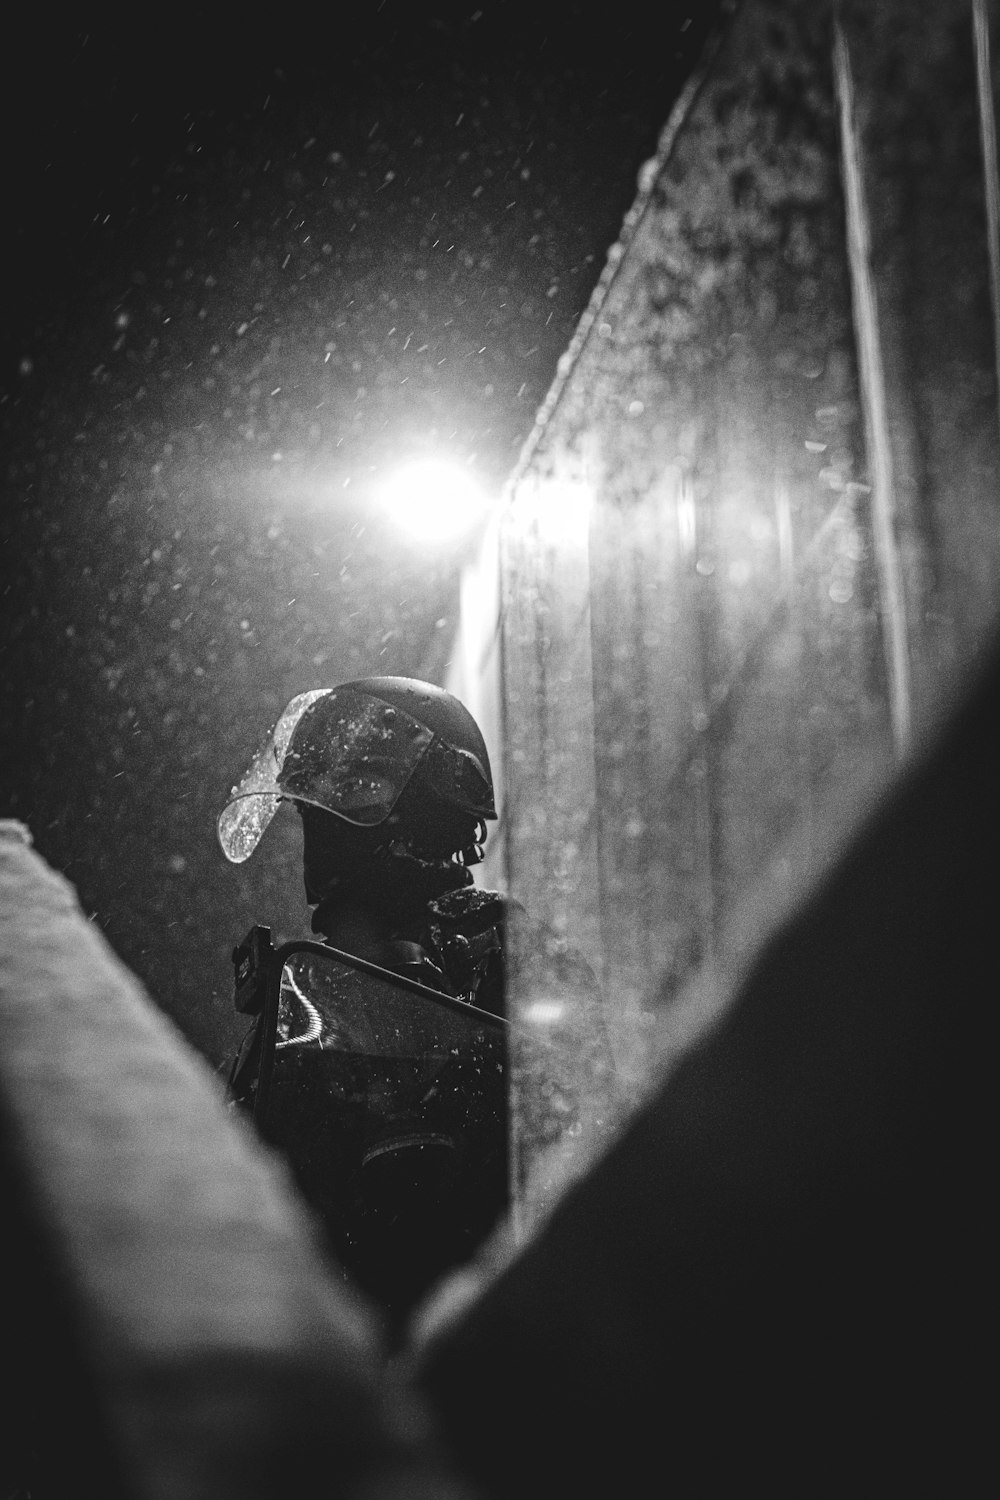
[[428, 877], [473, 853], [398, 849]]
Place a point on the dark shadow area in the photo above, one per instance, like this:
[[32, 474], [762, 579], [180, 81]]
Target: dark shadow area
[[780, 1277]]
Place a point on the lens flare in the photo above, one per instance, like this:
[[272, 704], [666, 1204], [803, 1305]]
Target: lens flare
[[435, 500]]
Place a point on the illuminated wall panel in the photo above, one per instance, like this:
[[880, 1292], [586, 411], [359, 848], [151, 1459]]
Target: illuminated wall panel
[[775, 443]]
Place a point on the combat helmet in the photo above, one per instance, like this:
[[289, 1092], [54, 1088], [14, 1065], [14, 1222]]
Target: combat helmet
[[353, 750]]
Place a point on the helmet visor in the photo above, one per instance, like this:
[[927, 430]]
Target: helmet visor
[[336, 748]]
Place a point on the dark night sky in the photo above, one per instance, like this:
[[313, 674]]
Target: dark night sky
[[248, 270]]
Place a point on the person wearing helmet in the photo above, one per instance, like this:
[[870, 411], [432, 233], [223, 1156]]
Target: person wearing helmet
[[392, 781]]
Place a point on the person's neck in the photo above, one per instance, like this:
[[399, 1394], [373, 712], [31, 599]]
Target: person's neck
[[382, 901], [353, 928]]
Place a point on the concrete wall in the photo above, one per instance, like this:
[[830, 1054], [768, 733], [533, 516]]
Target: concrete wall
[[756, 532]]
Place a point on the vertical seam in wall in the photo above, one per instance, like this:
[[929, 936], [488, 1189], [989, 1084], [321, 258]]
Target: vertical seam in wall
[[864, 298], [991, 189]]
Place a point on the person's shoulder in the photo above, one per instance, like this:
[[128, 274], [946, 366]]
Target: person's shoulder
[[471, 911], [470, 908]]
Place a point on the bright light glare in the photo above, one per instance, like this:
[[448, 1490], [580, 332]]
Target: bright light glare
[[559, 508], [434, 499], [544, 1012]]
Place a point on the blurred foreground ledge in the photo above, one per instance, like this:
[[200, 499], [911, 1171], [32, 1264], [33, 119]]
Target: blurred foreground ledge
[[781, 1275], [171, 1327], [780, 1272]]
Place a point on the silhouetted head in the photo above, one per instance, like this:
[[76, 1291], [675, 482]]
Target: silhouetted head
[[390, 775]]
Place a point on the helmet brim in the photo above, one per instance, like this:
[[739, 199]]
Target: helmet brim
[[339, 749]]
